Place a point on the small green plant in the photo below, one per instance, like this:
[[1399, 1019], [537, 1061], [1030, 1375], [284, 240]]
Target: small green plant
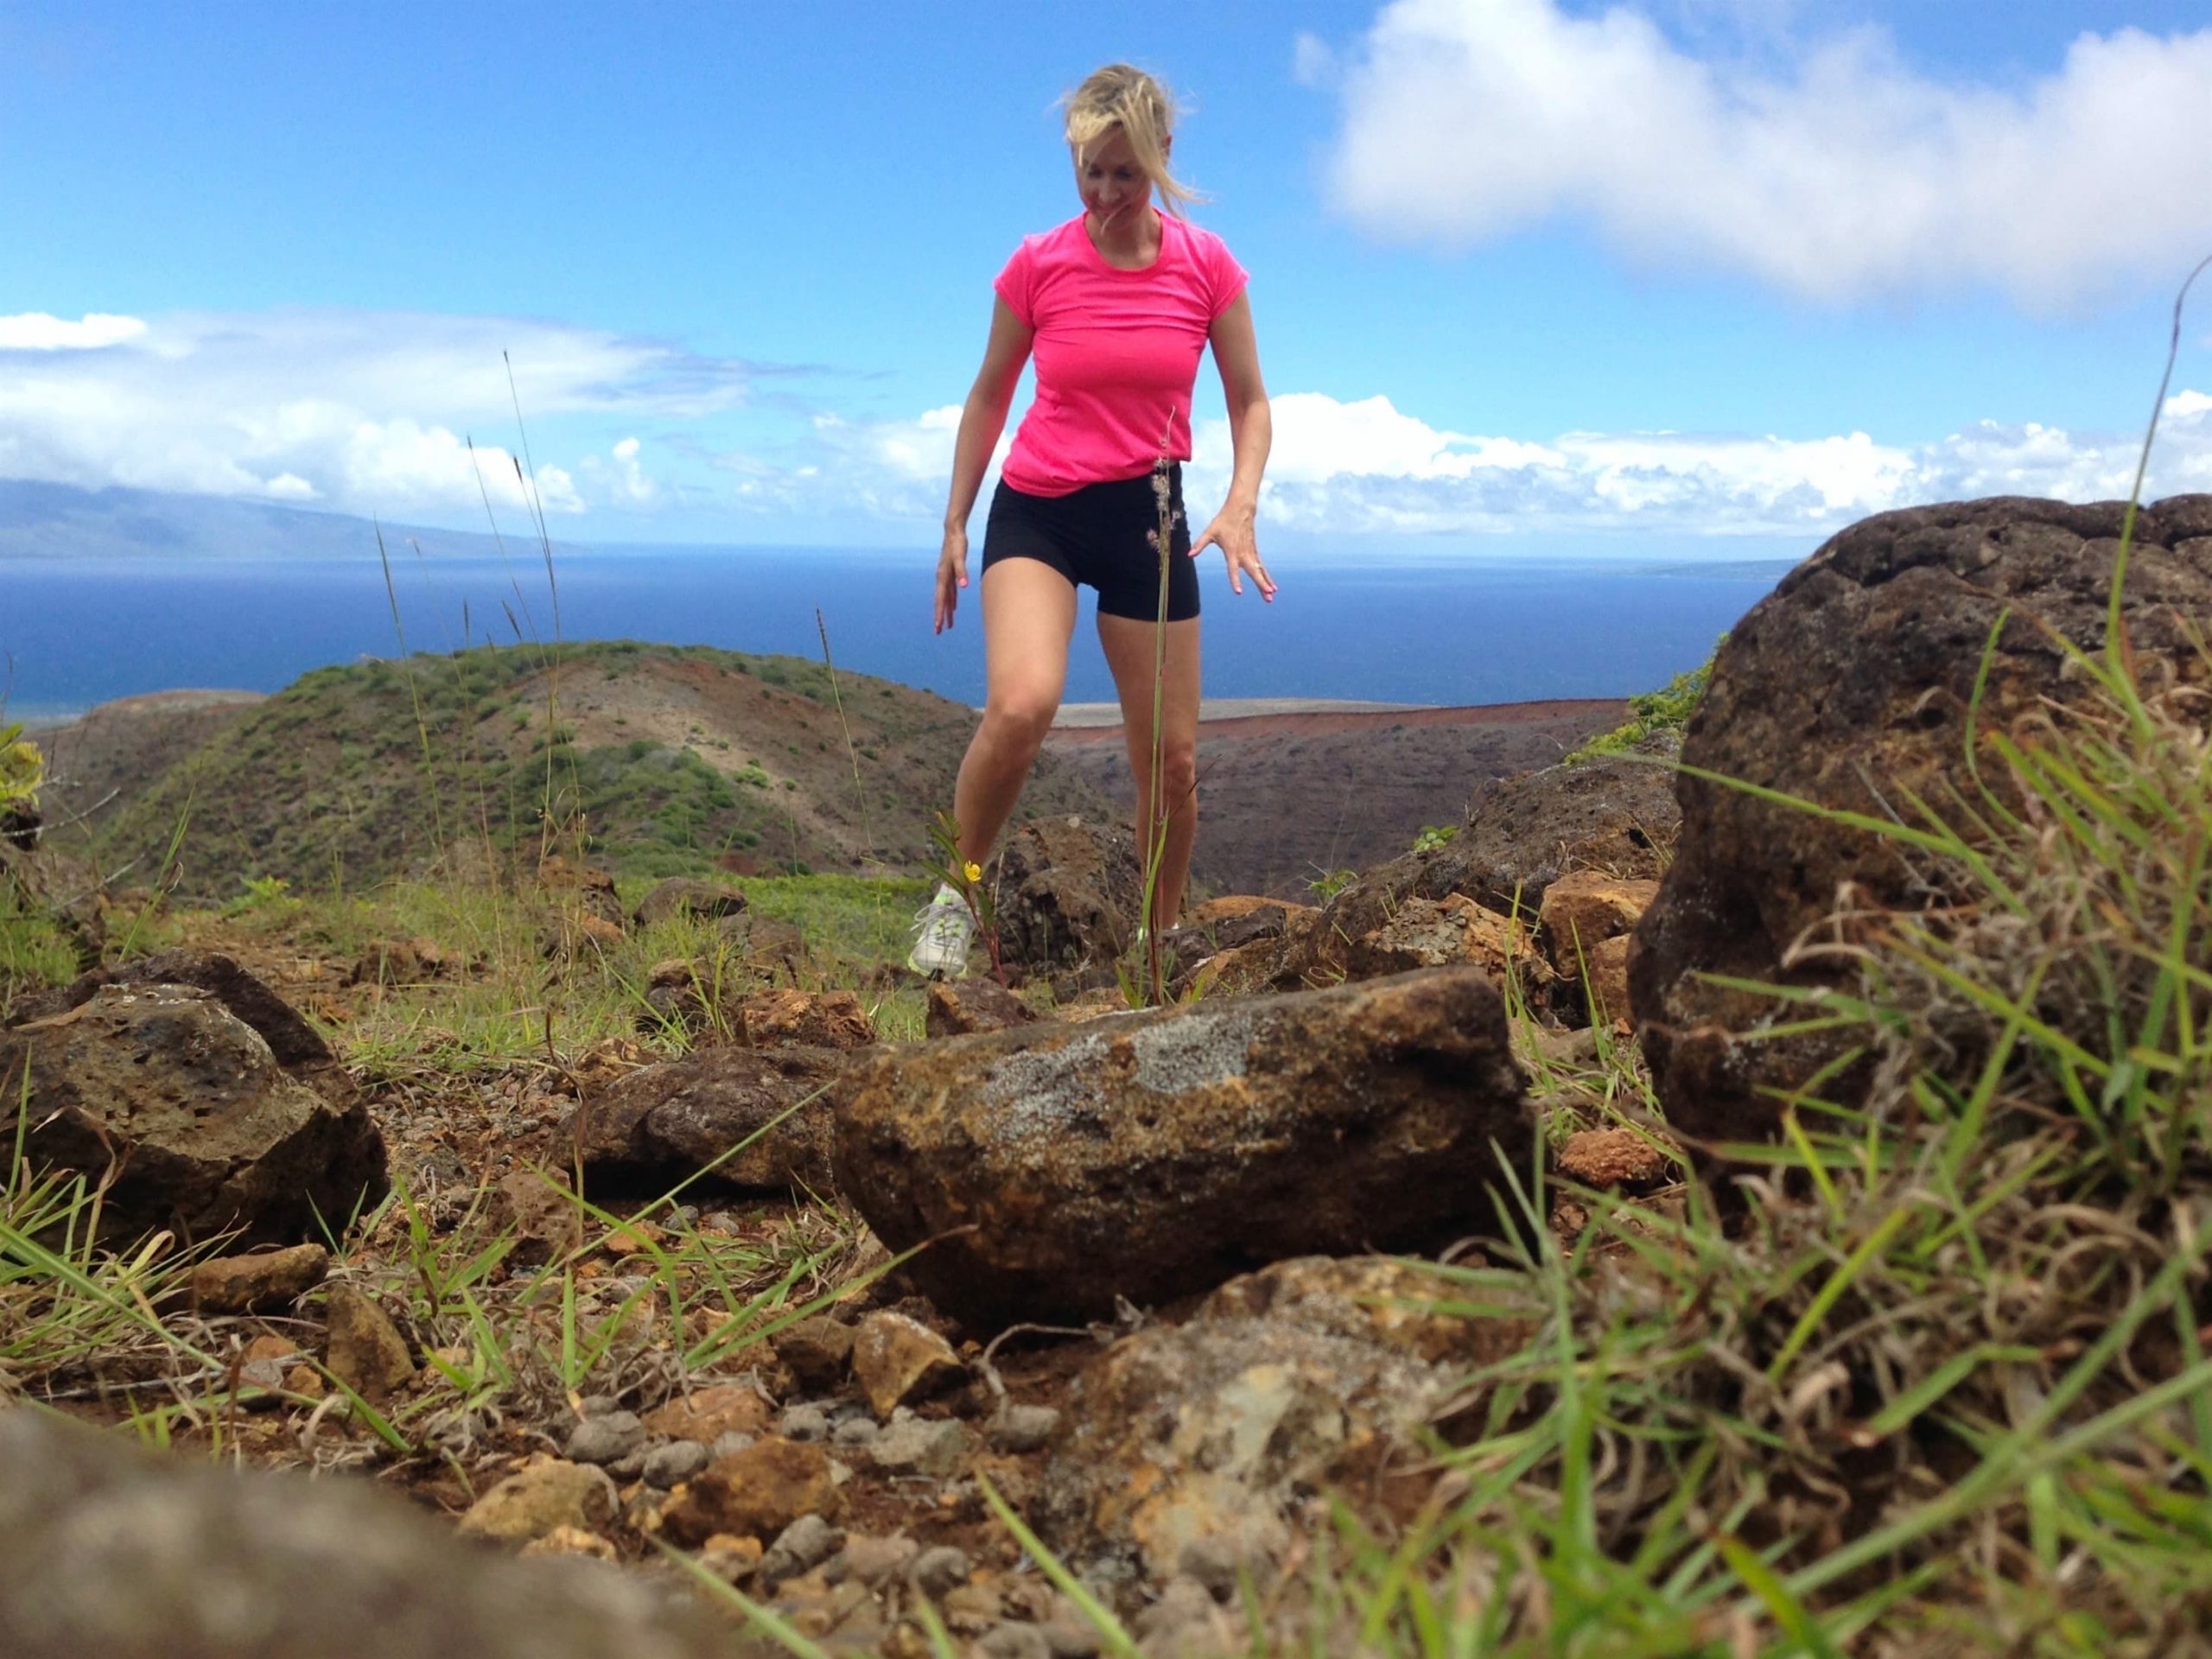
[[262, 893], [1329, 883], [1668, 709], [1434, 835], [22, 769], [1156, 814], [968, 878]]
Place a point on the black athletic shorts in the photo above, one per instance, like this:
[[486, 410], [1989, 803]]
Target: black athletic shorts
[[1101, 534]]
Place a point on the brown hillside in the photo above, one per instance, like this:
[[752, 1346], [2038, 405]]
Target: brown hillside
[[676, 760], [105, 761], [1284, 798]]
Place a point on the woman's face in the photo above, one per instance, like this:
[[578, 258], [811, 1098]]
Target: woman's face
[[1110, 181]]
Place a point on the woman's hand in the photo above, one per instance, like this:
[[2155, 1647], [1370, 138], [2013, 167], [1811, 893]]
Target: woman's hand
[[1231, 531], [951, 575]]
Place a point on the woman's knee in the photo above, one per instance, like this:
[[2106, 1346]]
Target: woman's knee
[[1018, 719], [1179, 773]]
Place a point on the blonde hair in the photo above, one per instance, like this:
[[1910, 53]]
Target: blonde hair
[[1122, 97]]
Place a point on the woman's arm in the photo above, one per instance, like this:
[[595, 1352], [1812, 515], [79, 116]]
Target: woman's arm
[[982, 417], [1251, 431]]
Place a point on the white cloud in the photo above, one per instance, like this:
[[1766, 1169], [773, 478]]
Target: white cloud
[[620, 479], [1312, 62], [1366, 468], [368, 412], [1833, 170], [889, 469], [35, 331]]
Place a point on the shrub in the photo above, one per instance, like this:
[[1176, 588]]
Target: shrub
[[1668, 709], [23, 768]]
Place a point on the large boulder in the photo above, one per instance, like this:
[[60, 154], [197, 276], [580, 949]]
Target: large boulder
[[759, 1117], [291, 1039], [1054, 1168], [214, 1105], [113, 1553], [1068, 893], [1850, 686]]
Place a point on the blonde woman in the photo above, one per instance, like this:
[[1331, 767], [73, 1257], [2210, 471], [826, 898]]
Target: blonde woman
[[1117, 305]]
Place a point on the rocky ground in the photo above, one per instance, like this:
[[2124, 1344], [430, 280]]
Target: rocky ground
[[797, 1332], [694, 1281]]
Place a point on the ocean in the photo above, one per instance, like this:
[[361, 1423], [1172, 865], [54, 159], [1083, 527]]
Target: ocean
[[79, 631]]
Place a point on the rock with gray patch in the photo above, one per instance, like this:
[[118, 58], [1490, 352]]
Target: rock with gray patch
[[1151, 1155]]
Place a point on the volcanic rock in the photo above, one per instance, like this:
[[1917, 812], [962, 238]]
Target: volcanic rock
[[366, 1352], [708, 1413], [249, 1284], [1148, 1155], [684, 895], [540, 1498], [1208, 1433], [1069, 893], [787, 1018], [753, 1493], [897, 1360], [664, 1122], [1851, 686], [959, 1008], [207, 1127]]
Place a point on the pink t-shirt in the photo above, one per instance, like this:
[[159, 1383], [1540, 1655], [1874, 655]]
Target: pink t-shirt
[[1118, 352]]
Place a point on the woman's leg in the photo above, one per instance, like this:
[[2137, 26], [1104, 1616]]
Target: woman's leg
[[1028, 618], [1130, 645]]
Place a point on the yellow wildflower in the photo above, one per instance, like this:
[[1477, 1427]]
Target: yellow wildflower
[[973, 872]]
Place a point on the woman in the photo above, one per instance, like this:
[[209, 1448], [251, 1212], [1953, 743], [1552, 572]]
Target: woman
[[1118, 304]]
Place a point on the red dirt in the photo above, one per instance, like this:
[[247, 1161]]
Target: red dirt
[[1609, 711], [1285, 797]]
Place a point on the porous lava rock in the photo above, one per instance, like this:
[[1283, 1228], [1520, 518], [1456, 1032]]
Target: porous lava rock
[[1069, 892], [684, 895], [961, 1007], [1615, 814], [1850, 686], [788, 1018], [662, 1122], [897, 1360], [589, 888], [292, 1041], [258, 1283], [755, 1492], [1203, 1438], [115, 1553], [204, 1124], [1438, 932], [1052, 1169]]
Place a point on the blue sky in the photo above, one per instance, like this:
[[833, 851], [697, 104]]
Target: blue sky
[[1727, 273]]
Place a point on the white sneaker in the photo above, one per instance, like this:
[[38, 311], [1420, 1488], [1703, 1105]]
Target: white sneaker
[[942, 929]]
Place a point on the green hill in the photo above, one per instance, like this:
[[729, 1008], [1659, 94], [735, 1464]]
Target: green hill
[[664, 760]]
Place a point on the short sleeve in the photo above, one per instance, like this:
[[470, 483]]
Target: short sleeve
[[1225, 278], [1016, 285]]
